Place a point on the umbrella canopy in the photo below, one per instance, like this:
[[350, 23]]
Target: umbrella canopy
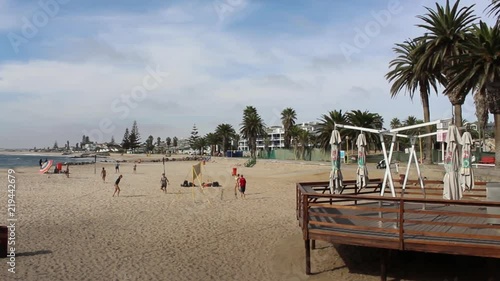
[[335, 175], [46, 166], [451, 186], [466, 173], [362, 171]]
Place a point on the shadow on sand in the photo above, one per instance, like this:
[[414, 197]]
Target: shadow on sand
[[418, 266]]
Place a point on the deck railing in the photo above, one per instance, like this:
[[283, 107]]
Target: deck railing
[[430, 225]]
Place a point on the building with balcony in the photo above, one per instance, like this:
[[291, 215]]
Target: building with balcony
[[276, 136]]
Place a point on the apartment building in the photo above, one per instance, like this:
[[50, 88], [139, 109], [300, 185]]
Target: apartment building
[[276, 136]]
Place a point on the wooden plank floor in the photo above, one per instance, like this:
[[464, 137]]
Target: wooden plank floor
[[421, 227]]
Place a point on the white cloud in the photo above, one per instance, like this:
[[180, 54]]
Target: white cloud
[[213, 75]]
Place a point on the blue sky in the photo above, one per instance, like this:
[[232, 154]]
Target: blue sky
[[86, 63]]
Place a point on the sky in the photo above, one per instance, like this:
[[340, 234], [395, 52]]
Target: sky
[[70, 68]]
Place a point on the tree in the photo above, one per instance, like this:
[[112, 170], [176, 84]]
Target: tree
[[447, 29], [67, 144], [200, 144], [193, 139], [494, 9], [158, 144], [405, 74], [327, 125], [288, 118], [395, 123], [87, 139], [55, 146], [226, 132], [304, 140], [212, 139], [134, 137], [479, 69], [168, 142], [126, 140], [175, 142], [149, 144], [112, 140], [365, 119], [251, 128]]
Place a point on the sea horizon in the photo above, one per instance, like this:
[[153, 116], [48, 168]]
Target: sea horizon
[[11, 160]]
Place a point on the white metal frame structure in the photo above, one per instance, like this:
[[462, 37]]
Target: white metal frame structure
[[388, 155]]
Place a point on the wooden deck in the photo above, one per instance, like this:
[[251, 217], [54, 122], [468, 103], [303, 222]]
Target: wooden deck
[[407, 224]]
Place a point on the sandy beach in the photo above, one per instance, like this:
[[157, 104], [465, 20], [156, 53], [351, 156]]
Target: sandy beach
[[73, 229]]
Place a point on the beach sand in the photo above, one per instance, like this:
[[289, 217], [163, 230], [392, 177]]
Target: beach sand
[[73, 229]]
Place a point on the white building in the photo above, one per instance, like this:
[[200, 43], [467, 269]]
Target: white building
[[276, 136]]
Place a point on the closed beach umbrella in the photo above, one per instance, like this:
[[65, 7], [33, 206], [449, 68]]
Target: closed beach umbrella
[[46, 166], [362, 171], [466, 172], [335, 175], [451, 186]]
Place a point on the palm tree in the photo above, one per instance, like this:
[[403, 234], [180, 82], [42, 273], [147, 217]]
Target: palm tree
[[395, 123], [326, 125], [447, 28], [304, 139], [295, 132], [406, 75], [168, 142], [365, 119], [212, 139], [480, 69], [252, 127], [175, 142], [288, 117], [494, 9], [226, 132]]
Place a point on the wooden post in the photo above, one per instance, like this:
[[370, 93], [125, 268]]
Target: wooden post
[[308, 256], [383, 264], [305, 229], [313, 244]]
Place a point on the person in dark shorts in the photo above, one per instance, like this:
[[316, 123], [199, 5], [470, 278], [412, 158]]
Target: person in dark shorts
[[164, 182], [117, 168], [135, 168], [103, 174], [243, 185], [117, 187]]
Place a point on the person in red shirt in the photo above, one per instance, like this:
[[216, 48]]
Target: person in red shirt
[[243, 185]]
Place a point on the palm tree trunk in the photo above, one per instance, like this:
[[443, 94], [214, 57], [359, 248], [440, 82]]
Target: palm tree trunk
[[457, 99], [427, 118], [493, 100], [457, 109], [481, 111]]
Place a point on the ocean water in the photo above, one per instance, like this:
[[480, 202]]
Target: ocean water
[[12, 161]]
